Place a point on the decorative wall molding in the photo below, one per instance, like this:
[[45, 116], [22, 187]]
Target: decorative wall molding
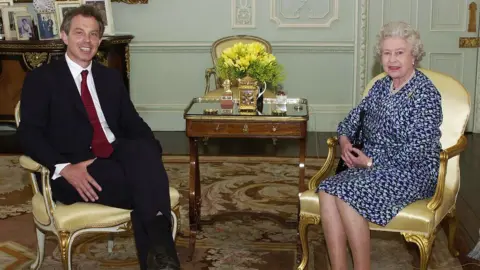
[[387, 13], [361, 46], [476, 103], [279, 47], [313, 49], [243, 13], [448, 63], [436, 23], [304, 13]]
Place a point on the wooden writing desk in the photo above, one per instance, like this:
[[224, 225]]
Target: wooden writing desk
[[202, 121]]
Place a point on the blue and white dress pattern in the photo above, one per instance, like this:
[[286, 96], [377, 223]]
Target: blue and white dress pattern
[[401, 133]]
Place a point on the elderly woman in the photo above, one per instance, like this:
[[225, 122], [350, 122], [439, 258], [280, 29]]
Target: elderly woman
[[400, 157]]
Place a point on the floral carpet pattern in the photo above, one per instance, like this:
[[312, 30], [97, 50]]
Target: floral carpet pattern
[[248, 222]]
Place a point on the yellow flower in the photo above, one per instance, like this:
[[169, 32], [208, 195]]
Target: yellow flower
[[228, 62], [244, 62], [228, 53], [251, 59]]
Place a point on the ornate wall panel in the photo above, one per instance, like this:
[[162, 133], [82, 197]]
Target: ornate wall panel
[[304, 13], [448, 15], [243, 13], [448, 63], [400, 10]]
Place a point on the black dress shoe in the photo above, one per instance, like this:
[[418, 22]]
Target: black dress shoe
[[160, 259]]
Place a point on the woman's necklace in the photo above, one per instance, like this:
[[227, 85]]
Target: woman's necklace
[[393, 90]]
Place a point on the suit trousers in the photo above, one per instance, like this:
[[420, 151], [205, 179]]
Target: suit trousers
[[133, 177]]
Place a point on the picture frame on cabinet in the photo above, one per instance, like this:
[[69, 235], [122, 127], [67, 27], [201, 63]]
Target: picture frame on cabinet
[[105, 9], [62, 7], [48, 27], [3, 3], [8, 19], [24, 25]]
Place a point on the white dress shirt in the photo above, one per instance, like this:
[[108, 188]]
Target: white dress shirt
[[76, 71]]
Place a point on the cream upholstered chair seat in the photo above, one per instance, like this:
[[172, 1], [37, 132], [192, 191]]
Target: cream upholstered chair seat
[[418, 221], [81, 215], [414, 217], [69, 221]]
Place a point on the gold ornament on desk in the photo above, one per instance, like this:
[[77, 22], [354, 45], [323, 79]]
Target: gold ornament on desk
[[248, 92], [226, 100]]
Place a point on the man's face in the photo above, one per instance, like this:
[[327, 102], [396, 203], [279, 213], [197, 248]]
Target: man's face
[[83, 40]]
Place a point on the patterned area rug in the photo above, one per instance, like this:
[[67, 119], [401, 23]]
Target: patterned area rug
[[249, 213]]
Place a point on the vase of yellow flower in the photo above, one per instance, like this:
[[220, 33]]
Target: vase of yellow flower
[[250, 60]]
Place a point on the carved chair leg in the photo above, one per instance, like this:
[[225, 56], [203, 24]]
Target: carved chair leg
[[424, 244], [452, 229], [174, 224], [305, 221], [40, 250], [65, 249], [110, 243]]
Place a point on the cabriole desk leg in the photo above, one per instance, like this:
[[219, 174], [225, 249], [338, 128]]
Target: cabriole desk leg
[[301, 166], [301, 188], [194, 200]]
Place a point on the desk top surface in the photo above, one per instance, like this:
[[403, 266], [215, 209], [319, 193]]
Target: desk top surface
[[294, 109]]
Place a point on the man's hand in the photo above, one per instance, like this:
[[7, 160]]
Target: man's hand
[[78, 176]]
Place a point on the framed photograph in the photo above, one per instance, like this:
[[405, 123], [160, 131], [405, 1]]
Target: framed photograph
[[23, 25], [8, 19], [47, 26], [105, 8], [62, 7], [3, 3]]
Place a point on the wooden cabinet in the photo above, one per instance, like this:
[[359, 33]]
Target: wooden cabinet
[[17, 57]]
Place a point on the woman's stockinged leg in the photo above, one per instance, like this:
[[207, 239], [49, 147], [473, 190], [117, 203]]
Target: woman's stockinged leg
[[358, 234], [334, 231]]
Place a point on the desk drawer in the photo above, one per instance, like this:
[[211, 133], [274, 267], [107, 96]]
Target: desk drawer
[[265, 129], [199, 129], [245, 129]]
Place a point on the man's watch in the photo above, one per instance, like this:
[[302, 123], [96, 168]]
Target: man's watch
[[369, 163]]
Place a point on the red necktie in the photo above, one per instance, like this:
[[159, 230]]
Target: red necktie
[[100, 145]]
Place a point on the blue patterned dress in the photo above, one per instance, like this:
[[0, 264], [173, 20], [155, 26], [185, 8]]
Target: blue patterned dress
[[401, 133]]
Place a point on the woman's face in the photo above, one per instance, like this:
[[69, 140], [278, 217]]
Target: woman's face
[[397, 58]]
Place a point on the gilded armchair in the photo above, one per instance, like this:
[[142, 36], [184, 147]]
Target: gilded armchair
[[417, 222], [216, 51], [67, 222]]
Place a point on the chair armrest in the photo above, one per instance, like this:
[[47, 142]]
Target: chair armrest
[[33, 166], [445, 155], [208, 73], [30, 164], [327, 166]]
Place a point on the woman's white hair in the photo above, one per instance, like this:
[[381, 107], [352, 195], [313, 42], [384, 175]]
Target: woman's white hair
[[401, 30]]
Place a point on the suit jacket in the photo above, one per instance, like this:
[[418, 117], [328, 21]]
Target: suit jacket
[[54, 126]]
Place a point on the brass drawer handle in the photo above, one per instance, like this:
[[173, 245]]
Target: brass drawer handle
[[274, 128], [245, 128], [217, 128]]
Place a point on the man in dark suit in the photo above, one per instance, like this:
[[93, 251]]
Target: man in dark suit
[[79, 122]]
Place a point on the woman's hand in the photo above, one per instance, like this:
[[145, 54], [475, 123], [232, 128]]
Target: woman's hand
[[346, 148], [360, 160], [352, 156]]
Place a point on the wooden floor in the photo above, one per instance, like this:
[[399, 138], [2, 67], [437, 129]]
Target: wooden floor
[[468, 202]]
